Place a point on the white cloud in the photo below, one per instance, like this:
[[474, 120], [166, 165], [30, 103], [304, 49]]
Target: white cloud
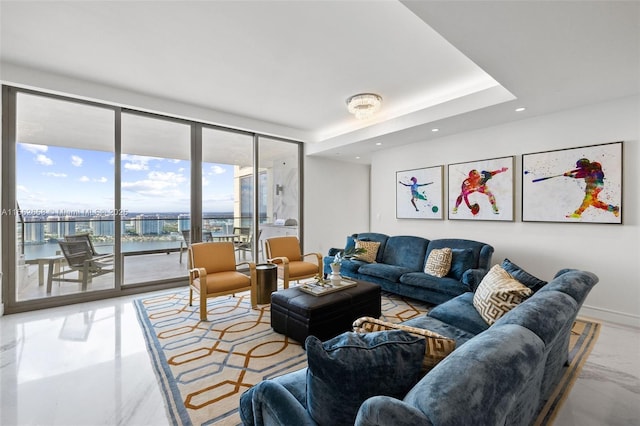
[[44, 160], [101, 180], [55, 175], [135, 166], [22, 188], [217, 170], [33, 148], [137, 162], [167, 176], [85, 179], [76, 160]]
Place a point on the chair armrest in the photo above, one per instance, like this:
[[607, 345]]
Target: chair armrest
[[198, 272], [317, 255], [283, 260], [273, 404], [251, 265], [384, 410]]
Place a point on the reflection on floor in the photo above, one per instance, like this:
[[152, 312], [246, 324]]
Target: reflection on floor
[[87, 364]]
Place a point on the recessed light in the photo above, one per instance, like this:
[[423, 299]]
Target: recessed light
[[435, 130], [378, 143], [357, 158], [520, 109]]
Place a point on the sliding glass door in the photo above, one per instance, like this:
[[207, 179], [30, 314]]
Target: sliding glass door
[[64, 185], [155, 184], [100, 201]]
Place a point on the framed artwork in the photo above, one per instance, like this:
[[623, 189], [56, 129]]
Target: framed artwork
[[419, 193], [581, 184], [482, 190]]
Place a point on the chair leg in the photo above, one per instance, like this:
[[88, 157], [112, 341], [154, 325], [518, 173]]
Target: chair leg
[[190, 296], [203, 307]]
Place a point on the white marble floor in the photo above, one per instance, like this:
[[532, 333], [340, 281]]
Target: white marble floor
[[87, 364]]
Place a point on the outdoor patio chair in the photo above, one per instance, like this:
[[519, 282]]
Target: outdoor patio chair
[[80, 259], [285, 252], [213, 272], [86, 238], [247, 246]]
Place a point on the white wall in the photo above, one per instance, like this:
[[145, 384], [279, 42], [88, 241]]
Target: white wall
[[610, 251], [336, 202]]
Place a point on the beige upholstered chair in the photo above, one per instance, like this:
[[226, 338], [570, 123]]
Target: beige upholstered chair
[[213, 272], [285, 252]]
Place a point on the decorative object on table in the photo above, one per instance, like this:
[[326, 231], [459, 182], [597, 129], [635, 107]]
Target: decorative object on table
[[419, 193], [320, 287], [581, 184], [482, 190], [347, 253]]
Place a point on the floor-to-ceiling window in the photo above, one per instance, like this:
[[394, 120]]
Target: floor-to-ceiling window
[[137, 188], [155, 181], [64, 184]]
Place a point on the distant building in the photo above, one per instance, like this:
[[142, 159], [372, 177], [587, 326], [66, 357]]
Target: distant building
[[184, 222]]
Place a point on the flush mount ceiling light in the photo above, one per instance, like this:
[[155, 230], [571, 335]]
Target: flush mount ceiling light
[[364, 105]]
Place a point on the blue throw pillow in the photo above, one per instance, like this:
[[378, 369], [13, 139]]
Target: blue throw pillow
[[461, 260], [351, 242], [523, 276], [346, 370]]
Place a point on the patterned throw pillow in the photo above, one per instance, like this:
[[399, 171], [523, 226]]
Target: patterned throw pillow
[[438, 347], [498, 293], [371, 252], [438, 262]]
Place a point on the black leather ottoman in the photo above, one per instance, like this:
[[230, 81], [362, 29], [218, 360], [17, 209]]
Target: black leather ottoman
[[297, 314]]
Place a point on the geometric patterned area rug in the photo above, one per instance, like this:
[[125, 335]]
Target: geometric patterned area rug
[[204, 367]]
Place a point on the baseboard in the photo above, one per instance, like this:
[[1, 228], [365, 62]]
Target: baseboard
[[610, 316]]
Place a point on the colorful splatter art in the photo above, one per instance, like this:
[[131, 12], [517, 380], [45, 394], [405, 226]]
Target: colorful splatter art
[[419, 193]]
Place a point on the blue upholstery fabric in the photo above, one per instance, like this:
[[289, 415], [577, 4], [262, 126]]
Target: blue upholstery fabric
[[382, 270], [499, 365], [461, 260], [460, 312], [346, 370], [405, 251], [444, 285], [523, 276]]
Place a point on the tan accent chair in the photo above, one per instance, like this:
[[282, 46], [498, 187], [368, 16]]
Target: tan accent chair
[[285, 252], [213, 272]]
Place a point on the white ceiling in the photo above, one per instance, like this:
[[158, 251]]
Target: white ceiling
[[286, 67]]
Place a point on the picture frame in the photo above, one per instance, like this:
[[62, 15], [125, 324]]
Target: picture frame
[[482, 190], [573, 185], [419, 193]]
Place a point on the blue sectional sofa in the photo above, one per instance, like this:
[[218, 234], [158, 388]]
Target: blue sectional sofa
[[400, 261], [497, 375]]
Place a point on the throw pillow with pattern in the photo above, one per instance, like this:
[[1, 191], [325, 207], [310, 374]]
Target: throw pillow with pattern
[[498, 293], [438, 262], [371, 252]]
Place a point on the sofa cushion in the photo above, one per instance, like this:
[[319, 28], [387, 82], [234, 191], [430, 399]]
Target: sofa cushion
[[523, 276], [388, 272], [438, 263], [460, 312], [438, 346], [405, 250], [498, 293], [346, 370], [444, 285], [461, 260], [371, 252]]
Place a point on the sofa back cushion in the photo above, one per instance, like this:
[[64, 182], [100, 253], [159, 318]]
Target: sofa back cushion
[[346, 370], [481, 254], [406, 251]]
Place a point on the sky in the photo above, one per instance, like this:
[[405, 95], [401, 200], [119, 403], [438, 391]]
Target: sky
[[56, 180]]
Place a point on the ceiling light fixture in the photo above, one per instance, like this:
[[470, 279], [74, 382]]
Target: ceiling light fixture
[[520, 109], [364, 105]]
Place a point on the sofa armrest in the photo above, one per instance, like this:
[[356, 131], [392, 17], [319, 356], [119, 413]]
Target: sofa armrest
[[333, 251], [273, 404], [384, 410], [472, 278]]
